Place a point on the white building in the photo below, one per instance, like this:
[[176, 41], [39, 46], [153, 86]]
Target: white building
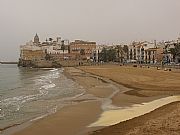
[[48, 47], [137, 51]]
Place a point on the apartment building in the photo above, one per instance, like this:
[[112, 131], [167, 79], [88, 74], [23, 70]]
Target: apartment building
[[144, 52], [80, 48]]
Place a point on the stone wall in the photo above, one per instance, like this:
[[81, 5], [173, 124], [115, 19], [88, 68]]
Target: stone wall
[[55, 64]]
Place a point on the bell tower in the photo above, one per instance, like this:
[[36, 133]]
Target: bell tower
[[36, 39]]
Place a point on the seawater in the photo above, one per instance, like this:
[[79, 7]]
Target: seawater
[[29, 94]]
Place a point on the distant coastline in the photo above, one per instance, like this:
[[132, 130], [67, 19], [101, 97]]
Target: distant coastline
[[8, 62]]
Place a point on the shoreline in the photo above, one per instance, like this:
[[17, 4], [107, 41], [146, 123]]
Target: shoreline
[[152, 93], [91, 84], [77, 103], [144, 124]]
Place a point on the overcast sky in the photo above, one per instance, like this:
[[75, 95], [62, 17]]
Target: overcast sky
[[104, 21]]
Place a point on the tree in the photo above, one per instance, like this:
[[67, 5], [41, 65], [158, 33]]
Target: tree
[[126, 51], [62, 47], [47, 57], [121, 52], [125, 48], [175, 51], [82, 51], [103, 55], [111, 53], [107, 55], [50, 39]]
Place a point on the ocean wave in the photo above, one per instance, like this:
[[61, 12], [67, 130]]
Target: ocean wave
[[48, 86], [42, 97], [38, 118], [15, 103], [53, 75], [55, 69], [51, 111], [1, 113], [44, 83]]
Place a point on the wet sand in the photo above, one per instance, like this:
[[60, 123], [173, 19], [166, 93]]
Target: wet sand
[[93, 85], [74, 119], [70, 120]]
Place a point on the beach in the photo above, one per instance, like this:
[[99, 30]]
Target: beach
[[110, 87], [162, 121], [145, 84]]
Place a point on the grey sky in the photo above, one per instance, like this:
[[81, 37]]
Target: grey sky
[[104, 21]]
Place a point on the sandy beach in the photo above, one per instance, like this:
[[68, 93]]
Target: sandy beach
[[162, 121], [114, 86], [69, 121], [143, 81], [73, 119], [146, 84]]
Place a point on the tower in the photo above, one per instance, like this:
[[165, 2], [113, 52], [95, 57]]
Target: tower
[[36, 39], [59, 40]]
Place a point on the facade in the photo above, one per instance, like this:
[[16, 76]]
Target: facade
[[33, 55], [54, 51], [35, 52], [153, 55], [145, 52], [31, 52], [159, 55], [168, 45], [80, 48]]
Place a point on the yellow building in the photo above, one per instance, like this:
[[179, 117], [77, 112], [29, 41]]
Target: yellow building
[[32, 55]]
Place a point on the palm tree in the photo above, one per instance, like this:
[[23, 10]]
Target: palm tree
[[175, 51], [120, 53], [63, 47], [50, 39]]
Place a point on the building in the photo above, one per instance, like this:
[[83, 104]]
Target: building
[[30, 53], [153, 55], [82, 49], [98, 50], [168, 56], [57, 46], [35, 52], [144, 52]]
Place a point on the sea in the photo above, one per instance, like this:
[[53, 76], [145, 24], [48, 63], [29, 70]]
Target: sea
[[28, 94]]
